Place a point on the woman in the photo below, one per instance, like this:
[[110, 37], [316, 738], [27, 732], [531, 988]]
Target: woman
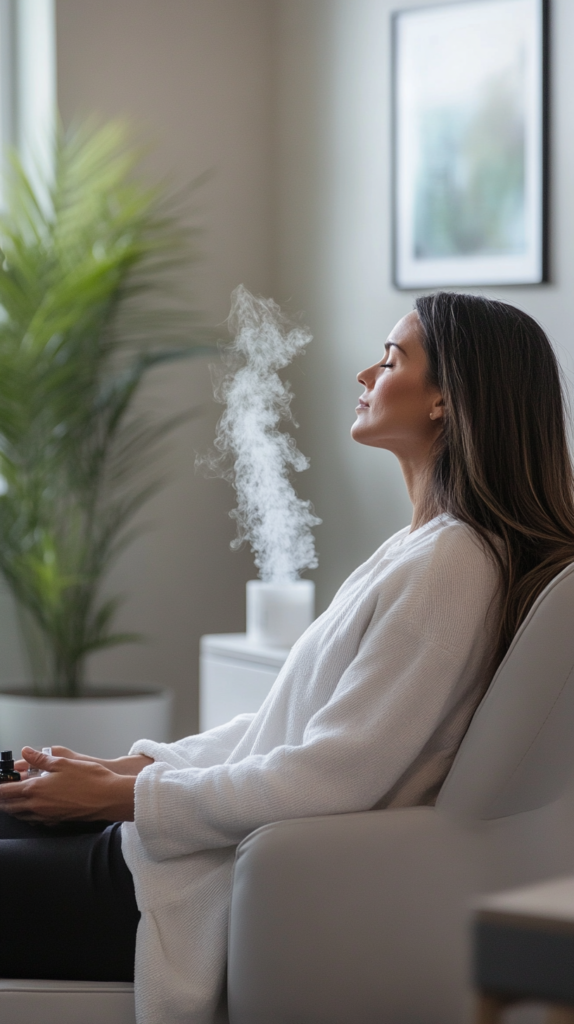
[[372, 702]]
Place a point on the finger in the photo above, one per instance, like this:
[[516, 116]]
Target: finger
[[73, 755], [25, 800], [19, 808], [34, 819], [25, 771], [11, 792], [25, 814], [47, 762], [23, 765]]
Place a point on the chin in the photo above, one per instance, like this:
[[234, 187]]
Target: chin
[[360, 436]]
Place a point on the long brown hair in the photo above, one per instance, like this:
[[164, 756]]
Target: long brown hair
[[502, 461]]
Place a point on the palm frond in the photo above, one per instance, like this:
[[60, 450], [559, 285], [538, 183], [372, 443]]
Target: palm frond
[[88, 306]]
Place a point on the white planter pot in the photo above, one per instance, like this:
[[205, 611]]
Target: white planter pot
[[102, 723]]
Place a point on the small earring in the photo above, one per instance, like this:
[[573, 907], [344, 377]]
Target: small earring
[[432, 416]]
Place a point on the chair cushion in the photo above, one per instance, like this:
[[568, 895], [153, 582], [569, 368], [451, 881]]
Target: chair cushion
[[517, 753]]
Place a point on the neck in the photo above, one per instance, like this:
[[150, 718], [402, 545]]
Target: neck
[[417, 476]]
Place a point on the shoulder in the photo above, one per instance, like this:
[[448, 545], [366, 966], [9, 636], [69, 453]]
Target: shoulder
[[443, 546], [456, 549], [451, 580]]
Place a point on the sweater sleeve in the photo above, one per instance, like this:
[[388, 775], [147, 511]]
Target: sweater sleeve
[[390, 700], [200, 750]]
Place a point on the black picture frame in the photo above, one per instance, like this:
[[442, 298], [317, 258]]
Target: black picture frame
[[470, 98]]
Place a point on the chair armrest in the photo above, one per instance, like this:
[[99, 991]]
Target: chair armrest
[[352, 917]]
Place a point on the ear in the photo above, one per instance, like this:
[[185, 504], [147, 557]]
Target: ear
[[437, 410]]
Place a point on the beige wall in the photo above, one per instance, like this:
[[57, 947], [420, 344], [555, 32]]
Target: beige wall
[[194, 77], [333, 158]]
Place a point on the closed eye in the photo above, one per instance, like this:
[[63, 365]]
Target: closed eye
[[383, 366]]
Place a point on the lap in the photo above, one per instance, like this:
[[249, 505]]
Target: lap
[[68, 903]]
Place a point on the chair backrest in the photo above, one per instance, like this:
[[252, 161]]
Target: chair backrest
[[518, 753]]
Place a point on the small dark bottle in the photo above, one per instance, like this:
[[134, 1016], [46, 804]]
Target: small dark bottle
[[7, 773]]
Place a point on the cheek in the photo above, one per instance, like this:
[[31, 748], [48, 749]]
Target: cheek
[[400, 396], [392, 391]]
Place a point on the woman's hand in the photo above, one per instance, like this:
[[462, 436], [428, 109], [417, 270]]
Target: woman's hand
[[72, 790], [131, 764]]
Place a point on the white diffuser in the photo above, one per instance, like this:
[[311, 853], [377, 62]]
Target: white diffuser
[[278, 613]]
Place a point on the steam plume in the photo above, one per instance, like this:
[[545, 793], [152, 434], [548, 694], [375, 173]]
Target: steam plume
[[250, 451]]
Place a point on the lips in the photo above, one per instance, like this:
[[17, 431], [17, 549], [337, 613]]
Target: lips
[[362, 404]]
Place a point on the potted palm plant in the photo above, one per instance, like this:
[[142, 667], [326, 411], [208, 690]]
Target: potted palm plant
[[86, 311]]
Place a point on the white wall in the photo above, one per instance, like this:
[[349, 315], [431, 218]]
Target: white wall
[[194, 77], [333, 230]]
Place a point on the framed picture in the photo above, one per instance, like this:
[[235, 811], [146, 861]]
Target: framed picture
[[470, 143]]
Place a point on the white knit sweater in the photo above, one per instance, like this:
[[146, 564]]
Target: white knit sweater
[[367, 711]]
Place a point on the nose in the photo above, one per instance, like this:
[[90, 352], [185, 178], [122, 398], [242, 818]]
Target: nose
[[363, 378]]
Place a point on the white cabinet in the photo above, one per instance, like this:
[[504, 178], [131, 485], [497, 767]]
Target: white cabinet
[[235, 676]]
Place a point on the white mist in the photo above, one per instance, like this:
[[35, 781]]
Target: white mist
[[257, 458]]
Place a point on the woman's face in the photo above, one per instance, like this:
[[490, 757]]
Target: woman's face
[[399, 410]]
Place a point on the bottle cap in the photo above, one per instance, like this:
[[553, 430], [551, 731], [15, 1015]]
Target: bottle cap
[[6, 760]]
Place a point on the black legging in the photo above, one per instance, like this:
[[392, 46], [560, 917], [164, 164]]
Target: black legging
[[67, 902]]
